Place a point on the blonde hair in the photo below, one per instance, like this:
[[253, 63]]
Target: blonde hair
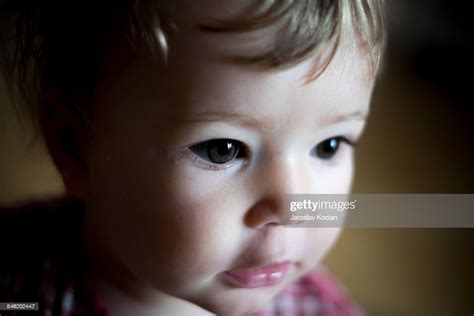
[[309, 25], [59, 44]]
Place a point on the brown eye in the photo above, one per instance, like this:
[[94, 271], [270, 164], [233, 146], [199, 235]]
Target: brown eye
[[218, 151], [328, 148]]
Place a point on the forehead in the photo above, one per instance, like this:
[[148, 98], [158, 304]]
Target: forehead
[[215, 86], [197, 79], [195, 82]]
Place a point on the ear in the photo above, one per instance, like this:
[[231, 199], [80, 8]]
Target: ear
[[65, 131]]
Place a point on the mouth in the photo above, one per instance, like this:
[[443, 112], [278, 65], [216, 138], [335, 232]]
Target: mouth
[[257, 277]]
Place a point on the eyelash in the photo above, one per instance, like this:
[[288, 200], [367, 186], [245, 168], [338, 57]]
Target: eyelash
[[208, 165], [188, 156], [340, 139]]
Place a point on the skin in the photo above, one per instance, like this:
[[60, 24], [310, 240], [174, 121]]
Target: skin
[[162, 223]]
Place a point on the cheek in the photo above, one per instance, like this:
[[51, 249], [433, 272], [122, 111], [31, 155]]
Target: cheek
[[334, 179], [165, 226], [314, 244]]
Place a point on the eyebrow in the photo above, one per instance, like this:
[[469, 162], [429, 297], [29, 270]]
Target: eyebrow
[[268, 122]]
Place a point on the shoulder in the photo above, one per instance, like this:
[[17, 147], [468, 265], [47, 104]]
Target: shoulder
[[40, 244], [317, 293]]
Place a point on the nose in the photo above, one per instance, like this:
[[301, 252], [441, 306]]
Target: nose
[[272, 184]]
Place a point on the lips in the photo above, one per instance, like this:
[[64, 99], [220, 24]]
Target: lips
[[257, 277]]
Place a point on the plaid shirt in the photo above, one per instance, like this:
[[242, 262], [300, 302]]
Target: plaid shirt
[[37, 266]]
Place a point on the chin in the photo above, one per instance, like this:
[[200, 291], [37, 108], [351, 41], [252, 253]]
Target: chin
[[239, 308], [238, 301]]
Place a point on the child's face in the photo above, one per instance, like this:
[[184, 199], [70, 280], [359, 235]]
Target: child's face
[[177, 220]]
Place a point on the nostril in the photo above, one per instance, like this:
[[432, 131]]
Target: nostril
[[265, 215], [272, 224]]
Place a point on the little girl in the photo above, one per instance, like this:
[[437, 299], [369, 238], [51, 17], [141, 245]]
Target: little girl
[[178, 127]]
